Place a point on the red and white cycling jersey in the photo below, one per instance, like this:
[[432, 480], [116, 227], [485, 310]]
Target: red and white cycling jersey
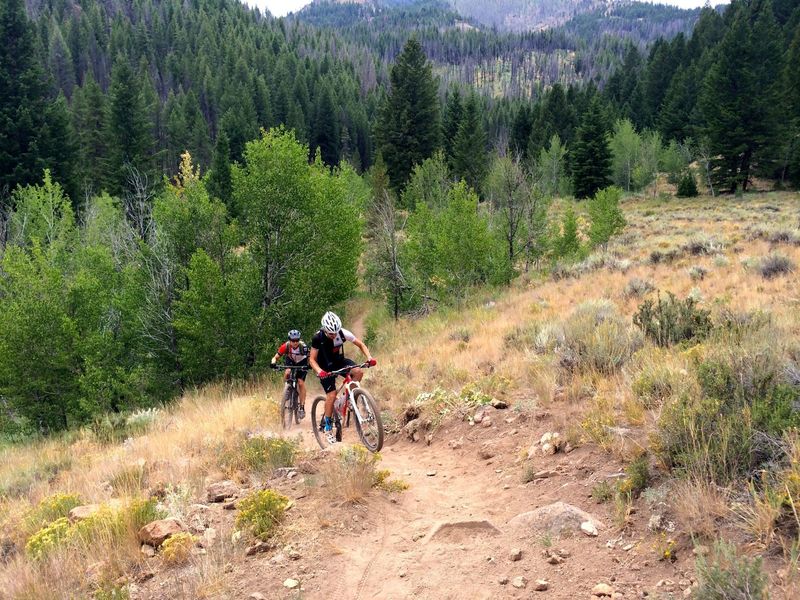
[[295, 355]]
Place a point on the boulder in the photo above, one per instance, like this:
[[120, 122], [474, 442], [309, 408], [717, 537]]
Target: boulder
[[153, 534], [519, 582], [602, 590], [79, 513], [457, 532], [221, 491], [554, 518]]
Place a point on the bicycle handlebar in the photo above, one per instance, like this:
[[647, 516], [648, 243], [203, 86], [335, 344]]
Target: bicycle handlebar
[[277, 367], [344, 370]]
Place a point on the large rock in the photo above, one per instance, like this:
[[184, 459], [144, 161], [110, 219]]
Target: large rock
[[221, 491], [154, 534], [79, 513], [554, 518], [456, 532]]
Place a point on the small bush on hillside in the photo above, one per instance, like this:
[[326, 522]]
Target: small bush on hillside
[[724, 575], [112, 428], [655, 379], [668, 320], [597, 338], [775, 265], [602, 492], [637, 287], [687, 185], [698, 246], [261, 513], [566, 243], [177, 548], [637, 479], [697, 273], [48, 538], [50, 509], [744, 405]]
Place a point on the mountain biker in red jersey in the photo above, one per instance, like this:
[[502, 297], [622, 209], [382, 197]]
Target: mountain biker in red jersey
[[295, 353], [327, 354]]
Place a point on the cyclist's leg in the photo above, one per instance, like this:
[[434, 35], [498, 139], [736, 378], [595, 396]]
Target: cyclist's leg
[[301, 387]]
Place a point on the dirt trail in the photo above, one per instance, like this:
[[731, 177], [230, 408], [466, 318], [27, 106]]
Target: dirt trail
[[393, 550]]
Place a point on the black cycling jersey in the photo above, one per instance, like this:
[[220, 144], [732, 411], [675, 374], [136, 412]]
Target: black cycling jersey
[[330, 352]]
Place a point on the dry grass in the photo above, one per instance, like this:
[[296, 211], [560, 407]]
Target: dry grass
[[699, 506]]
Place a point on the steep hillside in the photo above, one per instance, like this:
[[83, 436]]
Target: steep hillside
[[467, 489]]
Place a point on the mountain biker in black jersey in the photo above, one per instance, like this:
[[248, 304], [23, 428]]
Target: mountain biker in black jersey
[[327, 354], [295, 353]]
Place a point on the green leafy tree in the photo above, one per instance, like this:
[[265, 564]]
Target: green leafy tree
[[647, 164], [429, 184], [591, 154], [552, 168], [409, 127], [605, 216], [625, 148]]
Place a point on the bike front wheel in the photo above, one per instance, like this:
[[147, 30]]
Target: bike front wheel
[[370, 426], [288, 406], [317, 413]]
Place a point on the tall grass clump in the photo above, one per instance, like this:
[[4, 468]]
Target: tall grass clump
[[724, 575], [597, 338], [257, 454]]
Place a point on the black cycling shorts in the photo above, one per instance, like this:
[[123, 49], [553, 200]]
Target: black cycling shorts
[[329, 383], [300, 373]]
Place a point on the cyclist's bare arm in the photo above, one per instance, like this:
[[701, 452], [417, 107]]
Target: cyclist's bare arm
[[312, 360], [363, 347]]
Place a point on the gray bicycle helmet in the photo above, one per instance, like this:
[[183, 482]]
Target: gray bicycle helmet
[[294, 335]]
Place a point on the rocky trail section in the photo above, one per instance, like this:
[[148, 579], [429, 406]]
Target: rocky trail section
[[467, 527]]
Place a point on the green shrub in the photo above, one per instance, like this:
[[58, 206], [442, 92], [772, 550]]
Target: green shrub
[[668, 320], [687, 185], [637, 479], [726, 576], [50, 509], [596, 337], [261, 512], [605, 215], [654, 384], [141, 511], [602, 492]]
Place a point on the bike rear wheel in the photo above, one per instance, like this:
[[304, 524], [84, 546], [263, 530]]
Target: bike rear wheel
[[370, 428], [317, 413], [288, 406]]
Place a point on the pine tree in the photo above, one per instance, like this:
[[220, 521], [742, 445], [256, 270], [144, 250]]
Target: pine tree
[[22, 100], [470, 161], [453, 114], [409, 127], [521, 131], [88, 118], [129, 133], [792, 96], [219, 177], [739, 96], [591, 155], [59, 148], [325, 133]]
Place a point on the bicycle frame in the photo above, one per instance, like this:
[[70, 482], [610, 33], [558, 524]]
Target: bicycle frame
[[349, 385]]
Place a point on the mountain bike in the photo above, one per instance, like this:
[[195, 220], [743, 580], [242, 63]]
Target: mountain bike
[[351, 401], [290, 405]]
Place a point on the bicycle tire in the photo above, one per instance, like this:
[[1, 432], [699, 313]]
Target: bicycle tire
[[368, 408], [317, 412], [296, 409], [286, 412]]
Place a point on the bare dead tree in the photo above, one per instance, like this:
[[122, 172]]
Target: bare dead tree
[[509, 192], [138, 201], [389, 226], [704, 157]]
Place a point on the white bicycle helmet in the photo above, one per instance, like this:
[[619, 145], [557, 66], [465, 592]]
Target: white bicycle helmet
[[331, 323]]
